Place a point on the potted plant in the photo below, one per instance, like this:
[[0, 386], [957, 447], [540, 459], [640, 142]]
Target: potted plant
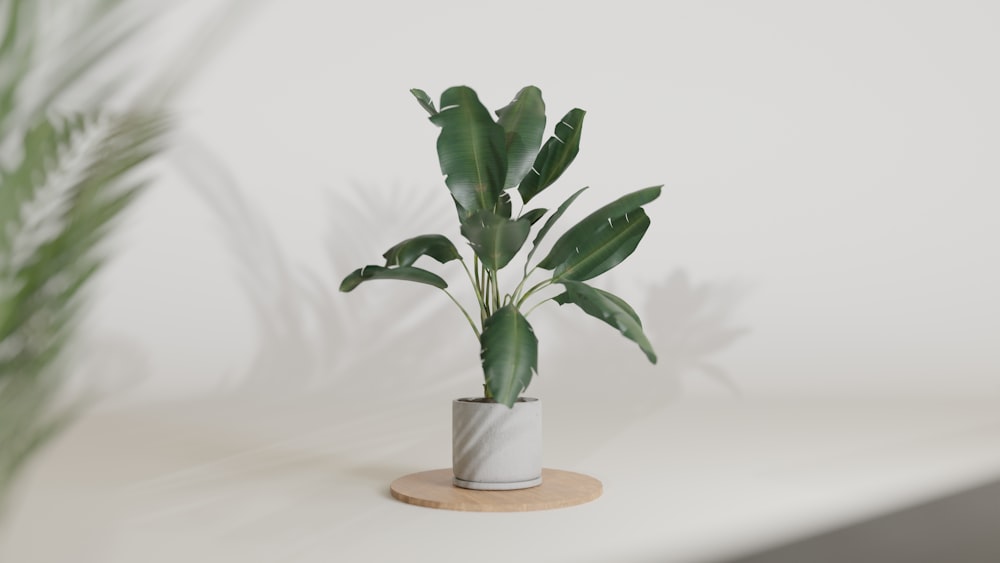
[[497, 437]]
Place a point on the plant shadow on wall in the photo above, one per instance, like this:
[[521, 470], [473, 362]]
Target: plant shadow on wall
[[688, 322], [342, 388], [297, 424], [309, 337], [315, 433], [309, 342]]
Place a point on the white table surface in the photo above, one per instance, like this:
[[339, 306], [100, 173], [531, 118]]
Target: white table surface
[[256, 478]]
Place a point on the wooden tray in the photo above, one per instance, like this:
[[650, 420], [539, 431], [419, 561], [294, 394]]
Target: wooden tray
[[434, 489]]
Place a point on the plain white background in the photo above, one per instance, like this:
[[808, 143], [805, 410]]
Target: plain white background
[[827, 228], [819, 281]]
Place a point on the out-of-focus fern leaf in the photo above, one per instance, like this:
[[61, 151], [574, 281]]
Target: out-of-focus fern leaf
[[79, 171], [66, 174]]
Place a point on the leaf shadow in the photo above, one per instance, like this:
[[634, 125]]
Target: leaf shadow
[[310, 337], [689, 324], [395, 340]]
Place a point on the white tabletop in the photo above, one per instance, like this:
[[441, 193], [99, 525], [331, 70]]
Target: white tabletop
[[249, 478]]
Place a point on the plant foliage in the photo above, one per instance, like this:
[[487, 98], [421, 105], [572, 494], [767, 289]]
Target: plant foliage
[[66, 176], [483, 160]]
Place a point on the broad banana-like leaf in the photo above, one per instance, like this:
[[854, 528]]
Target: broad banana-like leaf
[[603, 239], [534, 215], [424, 100], [552, 221], [603, 249], [406, 253], [509, 353], [609, 308], [495, 239], [523, 122], [405, 273], [555, 157], [471, 149]]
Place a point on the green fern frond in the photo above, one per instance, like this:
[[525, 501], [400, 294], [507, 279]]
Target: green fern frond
[[66, 173], [45, 147], [82, 166]]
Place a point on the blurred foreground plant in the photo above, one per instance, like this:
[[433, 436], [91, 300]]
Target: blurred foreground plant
[[66, 174]]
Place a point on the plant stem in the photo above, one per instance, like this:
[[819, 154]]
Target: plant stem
[[520, 286], [538, 304], [475, 287], [538, 286], [496, 289], [464, 312], [481, 286], [486, 294]]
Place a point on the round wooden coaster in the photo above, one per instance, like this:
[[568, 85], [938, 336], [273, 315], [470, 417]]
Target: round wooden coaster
[[434, 489]]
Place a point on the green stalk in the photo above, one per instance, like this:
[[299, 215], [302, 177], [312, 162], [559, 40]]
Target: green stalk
[[538, 305], [464, 312], [496, 289], [537, 287], [475, 287], [520, 286], [486, 291]]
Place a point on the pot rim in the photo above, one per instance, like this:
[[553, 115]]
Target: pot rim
[[483, 401]]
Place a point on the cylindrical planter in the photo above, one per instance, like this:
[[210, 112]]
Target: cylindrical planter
[[496, 448]]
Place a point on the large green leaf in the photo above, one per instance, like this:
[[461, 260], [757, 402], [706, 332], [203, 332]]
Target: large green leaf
[[602, 239], [604, 248], [424, 100], [406, 253], [532, 216], [405, 273], [555, 157], [471, 149], [523, 122], [509, 353], [609, 308], [552, 221], [495, 239]]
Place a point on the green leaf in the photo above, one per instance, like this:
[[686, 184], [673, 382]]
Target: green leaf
[[471, 149], [46, 144], [602, 239], [504, 208], [523, 122], [495, 239], [406, 253], [604, 248], [405, 273], [424, 100], [552, 221], [555, 157], [609, 308], [534, 215], [70, 183], [509, 353]]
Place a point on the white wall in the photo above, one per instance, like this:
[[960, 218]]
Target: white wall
[[828, 227]]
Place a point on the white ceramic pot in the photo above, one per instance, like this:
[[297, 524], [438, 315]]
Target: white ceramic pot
[[496, 448]]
